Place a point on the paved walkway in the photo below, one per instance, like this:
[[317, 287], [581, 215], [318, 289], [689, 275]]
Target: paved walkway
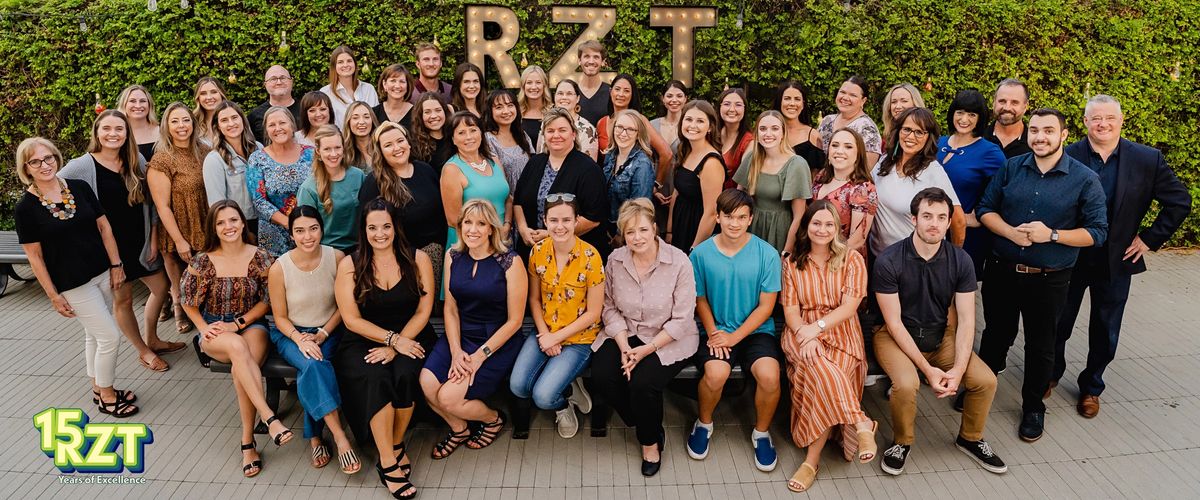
[[1142, 444]]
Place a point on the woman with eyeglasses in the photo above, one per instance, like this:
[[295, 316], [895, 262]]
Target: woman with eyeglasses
[[628, 170]]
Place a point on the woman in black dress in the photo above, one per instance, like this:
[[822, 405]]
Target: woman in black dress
[[385, 294], [790, 99], [430, 134], [699, 175]]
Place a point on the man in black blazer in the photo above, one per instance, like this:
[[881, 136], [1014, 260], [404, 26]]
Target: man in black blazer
[[1132, 176]]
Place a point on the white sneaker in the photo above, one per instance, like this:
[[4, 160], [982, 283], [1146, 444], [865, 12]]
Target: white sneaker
[[568, 423], [872, 379], [580, 397]]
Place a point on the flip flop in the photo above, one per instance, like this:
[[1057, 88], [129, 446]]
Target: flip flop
[[162, 366], [170, 348]]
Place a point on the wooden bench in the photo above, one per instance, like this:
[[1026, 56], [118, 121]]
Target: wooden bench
[[11, 254]]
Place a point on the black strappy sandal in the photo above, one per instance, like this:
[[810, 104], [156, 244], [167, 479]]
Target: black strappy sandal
[[204, 358], [401, 452], [405, 484], [484, 435], [283, 437], [450, 443], [118, 409], [122, 395], [255, 465]]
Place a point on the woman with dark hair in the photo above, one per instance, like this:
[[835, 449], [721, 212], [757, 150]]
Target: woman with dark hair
[[385, 295], [823, 283], [225, 294], [733, 130], [468, 91], [333, 189], [225, 165], [851, 98], [430, 133], [207, 96], [505, 135], [315, 110], [846, 182], [117, 176], [472, 173], [970, 162], [397, 85], [673, 99], [344, 87], [699, 174], [305, 331], [356, 136], [274, 175], [566, 97], [778, 180], [899, 176], [791, 99]]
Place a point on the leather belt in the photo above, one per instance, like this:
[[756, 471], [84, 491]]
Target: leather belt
[[1024, 269]]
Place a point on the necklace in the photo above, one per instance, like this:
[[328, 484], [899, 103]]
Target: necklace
[[68, 201], [479, 167]]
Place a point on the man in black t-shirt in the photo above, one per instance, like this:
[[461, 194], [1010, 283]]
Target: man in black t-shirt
[[278, 83], [926, 292]]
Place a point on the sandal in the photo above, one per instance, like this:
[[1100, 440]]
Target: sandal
[[157, 365], [122, 395], [320, 456], [182, 323], [450, 443], [803, 479], [284, 436], [402, 454], [255, 465], [168, 309], [170, 347], [487, 433], [350, 464], [205, 359], [405, 484], [118, 409], [867, 449]]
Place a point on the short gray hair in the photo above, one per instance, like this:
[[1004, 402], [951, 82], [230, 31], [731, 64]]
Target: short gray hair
[[1102, 99]]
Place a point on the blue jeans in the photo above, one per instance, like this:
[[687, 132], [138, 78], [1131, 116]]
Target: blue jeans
[[316, 385], [545, 378], [228, 318]]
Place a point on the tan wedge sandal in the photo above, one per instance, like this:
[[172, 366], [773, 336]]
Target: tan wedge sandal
[[803, 479], [867, 449]]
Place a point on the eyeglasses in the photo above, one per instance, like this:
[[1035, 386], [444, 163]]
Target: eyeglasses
[[555, 197], [621, 130], [913, 132], [279, 79], [38, 162], [1102, 119]]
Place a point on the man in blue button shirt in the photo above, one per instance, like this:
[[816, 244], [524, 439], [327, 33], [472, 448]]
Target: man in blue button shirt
[[1043, 207]]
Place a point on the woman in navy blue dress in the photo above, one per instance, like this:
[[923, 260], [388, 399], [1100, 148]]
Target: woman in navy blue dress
[[486, 287]]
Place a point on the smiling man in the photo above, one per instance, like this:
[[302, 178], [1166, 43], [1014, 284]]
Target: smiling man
[[594, 100], [278, 83], [429, 66], [1009, 107]]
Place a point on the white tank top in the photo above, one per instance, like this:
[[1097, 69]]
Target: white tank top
[[310, 301]]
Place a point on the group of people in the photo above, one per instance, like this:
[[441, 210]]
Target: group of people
[[331, 227]]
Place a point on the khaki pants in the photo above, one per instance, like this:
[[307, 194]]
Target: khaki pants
[[978, 381]]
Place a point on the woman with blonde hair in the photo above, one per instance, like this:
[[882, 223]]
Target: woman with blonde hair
[[274, 175], [779, 180], [333, 190], [532, 99], [344, 86], [356, 135], [898, 98], [628, 168], [138, 105], [208, 95]]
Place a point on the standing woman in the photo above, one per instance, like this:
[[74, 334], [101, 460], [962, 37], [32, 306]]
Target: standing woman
[[385, 294], [116, 175], [628, 170], [208, 95], [823, 283], [699, 174], [430, 134], [305, 331], [533, 99], [505, 136], [472, 173], [412, 187], [468, 91], [274, 175], [566, 96], [846, 182], [561, 169], [486, 288], [397, 85], [791, 101], [62, 228], [779, 181], [899, 98], [225, 165], [851, 98], [356, 136], [333, 189], [315, 110], [225, 293], [649, 327], [673, 99], [344, 86], [625, 96], [176, 180], [970, 162], [733, 130], [137, 104]]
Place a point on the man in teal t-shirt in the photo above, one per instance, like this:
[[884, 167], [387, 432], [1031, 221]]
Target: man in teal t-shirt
[[737, 281]]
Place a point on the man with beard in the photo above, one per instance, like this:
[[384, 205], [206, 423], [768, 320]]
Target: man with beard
[[593, 101], [1009, 106], [278, 82], [926, 292], [1132, 175], [1043, 207], [429, 66]]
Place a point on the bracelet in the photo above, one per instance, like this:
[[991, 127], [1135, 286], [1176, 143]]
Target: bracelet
[[388, 340], [321, 329], [117, 265]]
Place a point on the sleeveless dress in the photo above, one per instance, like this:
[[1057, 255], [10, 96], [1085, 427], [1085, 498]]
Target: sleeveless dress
[[813, 155], [482, 301], [128, 221], [689, 205], [367, 388], [493, 188]]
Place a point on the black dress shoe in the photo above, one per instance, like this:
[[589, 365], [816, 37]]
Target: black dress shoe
[[649, 469], [1032, 425]]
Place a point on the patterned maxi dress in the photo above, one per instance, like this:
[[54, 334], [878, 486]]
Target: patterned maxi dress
[[273, 187]]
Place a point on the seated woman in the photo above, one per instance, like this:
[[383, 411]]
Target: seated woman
[[565, 295], [224, 292], [385, 293], [823, 283], [333, 189], [305, 331], [486, 287], [649, 326]]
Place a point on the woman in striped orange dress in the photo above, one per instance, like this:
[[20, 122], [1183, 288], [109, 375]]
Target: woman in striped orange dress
[[823, 283]]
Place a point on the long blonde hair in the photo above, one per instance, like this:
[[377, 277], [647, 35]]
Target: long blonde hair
[[522, 99], [123, 100], [483, 209], [758, 156], [352, 156], [131, 168], [917, 100], [320, 175], [838, 250], [201, 117], [642, 135]]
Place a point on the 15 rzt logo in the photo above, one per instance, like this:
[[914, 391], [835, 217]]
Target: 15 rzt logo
[[77, 445]]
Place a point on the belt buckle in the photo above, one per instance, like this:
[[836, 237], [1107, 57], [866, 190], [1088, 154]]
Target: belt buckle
[[1024, 269]]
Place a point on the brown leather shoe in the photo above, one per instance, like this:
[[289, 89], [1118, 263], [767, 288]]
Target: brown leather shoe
[[1050, 389], [1088, 406]]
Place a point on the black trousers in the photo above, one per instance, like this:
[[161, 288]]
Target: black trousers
[[639, 400], [1038, 300], [1109, 295]]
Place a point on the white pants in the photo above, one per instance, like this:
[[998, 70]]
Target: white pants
[[93, 305]]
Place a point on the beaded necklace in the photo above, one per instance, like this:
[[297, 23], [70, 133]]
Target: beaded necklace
[[68, 201]]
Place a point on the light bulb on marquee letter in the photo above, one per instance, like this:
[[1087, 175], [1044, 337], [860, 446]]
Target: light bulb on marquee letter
[[600, 21], [684, 21], [478, 48]]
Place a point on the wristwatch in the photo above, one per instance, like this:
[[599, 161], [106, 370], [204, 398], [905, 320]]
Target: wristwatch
[[240, 321], [821, 324], [487, 351], [1054, 236]]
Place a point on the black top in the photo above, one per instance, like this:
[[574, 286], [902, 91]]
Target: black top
[[926, 288], [532, 127], [595, 107], [580, 176], [405, 121], [480, 287], [128, 221], [424, 219], [1016, 148], [72, 248], [813, 155], [256, 119], [147, 150]]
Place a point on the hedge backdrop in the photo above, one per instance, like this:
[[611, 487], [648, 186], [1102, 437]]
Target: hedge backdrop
[[1143, 52]]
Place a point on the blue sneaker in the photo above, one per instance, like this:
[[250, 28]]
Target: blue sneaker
[[697, 444], [765, 457]]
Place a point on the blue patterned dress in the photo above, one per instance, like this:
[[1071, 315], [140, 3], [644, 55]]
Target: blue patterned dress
[[273, 188]]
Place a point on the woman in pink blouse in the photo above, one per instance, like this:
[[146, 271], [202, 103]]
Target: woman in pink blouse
[[649, 326], [846, 181]]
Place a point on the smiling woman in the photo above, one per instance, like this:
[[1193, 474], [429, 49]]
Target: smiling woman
[[274, 175]]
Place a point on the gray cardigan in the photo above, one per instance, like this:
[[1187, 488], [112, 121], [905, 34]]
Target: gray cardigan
[[84, 168]]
